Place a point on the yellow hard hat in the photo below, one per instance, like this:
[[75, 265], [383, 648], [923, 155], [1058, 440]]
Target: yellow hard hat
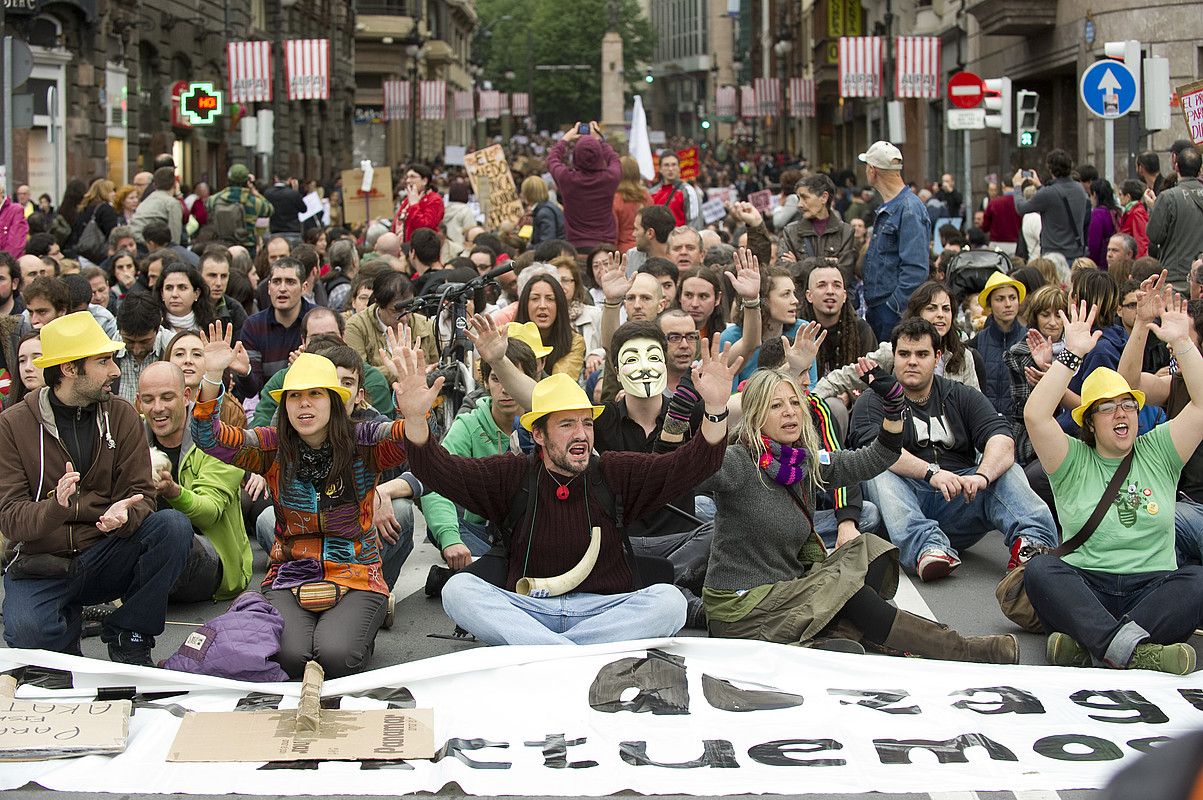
[[528, 333], [72, 337], [1104, 382], [996, 281], [557, 393], [311, 371]]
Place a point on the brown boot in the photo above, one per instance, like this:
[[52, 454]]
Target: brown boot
[[912, 634]]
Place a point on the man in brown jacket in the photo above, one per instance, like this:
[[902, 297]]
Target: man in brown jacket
[[77, 505]]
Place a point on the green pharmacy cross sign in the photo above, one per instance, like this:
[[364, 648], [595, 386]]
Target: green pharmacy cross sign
[[200, 103]]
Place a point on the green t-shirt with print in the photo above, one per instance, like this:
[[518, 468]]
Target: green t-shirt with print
[[1137, 532]]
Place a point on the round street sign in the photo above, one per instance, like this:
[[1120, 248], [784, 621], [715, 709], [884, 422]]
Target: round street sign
[[966, 90]]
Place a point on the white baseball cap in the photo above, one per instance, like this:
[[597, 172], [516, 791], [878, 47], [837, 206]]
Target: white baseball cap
[[883, 155]]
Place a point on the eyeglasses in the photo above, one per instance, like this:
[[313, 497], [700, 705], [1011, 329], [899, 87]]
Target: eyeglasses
[[677, 338], [1129, 306], [1110, 406]]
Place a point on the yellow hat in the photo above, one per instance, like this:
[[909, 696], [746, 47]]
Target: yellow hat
[[528, 333], [311, 371], [73, 337], [1104, 382], [557, 393], [998, 280]]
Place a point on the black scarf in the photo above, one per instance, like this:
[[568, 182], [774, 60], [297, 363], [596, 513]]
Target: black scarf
[[313, 466]]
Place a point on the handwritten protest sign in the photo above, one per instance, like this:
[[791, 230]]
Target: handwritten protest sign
[[690, 166], [360, 206], [493, 184], [1191, 97], [37, 730], [713, 211], [762, 200]]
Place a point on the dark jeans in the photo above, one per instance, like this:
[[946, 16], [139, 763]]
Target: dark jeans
[[341, 638], [1110, 614], [882, 319], [202, 573], [46, 613]]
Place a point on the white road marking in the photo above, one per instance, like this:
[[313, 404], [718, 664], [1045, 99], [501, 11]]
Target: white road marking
[[909, 599]]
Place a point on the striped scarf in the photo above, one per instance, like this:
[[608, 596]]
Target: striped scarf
[[783, 463]]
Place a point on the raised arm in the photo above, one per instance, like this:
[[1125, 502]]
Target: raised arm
[[1050, 442], [615, 283], [746, 283], [1131, 360], [1186, 429], [490, 342], [253, 450]]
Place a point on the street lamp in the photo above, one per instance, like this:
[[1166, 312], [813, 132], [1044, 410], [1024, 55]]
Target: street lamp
[[782, 48], [413, 50]]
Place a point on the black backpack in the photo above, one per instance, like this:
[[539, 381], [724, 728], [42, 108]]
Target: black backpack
[[968, 271]]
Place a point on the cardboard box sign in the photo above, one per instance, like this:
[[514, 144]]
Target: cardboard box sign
[[358, 206], [34, 730]]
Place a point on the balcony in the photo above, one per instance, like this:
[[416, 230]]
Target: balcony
[[1014, 17]]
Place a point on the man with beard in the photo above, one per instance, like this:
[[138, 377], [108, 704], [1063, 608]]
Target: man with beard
[[77, 506], [563, 527]]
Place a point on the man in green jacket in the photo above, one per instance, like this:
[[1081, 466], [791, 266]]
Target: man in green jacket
[[484, 431], [197, 485]]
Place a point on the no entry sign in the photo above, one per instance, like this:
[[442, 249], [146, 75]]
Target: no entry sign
[[966, 90]]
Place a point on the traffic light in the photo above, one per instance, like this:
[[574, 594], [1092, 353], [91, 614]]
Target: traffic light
[[705, 124], [998, 99], [648, 78], [1129, 53], [1028, 123]]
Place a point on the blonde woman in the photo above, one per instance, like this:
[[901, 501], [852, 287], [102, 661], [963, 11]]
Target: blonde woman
[[769, 576], [98, 203], [547, 220], [631, 196]]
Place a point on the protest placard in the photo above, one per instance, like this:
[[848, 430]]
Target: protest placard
[[360, 206], [1191, 98], [497, 193]]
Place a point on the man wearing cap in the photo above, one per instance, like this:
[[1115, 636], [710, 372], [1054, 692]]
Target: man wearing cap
[[897, 259], [552, 536], [1002, 331], [77, 505], [241, 192]]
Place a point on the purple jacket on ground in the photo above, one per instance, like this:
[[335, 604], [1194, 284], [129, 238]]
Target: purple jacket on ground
[[240, 644], [14, 230], [586, 190]]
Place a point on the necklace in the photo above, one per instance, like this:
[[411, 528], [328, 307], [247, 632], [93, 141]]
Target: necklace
[[561, 488]]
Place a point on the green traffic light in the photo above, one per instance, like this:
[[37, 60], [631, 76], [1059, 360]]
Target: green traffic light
[[649, 78], [1027, 138], [705, 124]]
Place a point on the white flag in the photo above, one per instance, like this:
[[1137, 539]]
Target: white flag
[[638, 144]]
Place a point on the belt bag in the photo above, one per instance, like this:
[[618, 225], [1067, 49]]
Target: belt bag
[[40, 565], [319, 596]]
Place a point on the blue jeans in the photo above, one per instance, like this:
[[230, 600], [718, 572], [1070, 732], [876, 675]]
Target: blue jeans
[[1110, 614], [495, 616], [1188, 531], [828, 528], [882, 319], [918, 518], [46, 613], [392, 556]]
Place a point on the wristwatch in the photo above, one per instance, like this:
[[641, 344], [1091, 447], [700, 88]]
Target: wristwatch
[[932, 469]]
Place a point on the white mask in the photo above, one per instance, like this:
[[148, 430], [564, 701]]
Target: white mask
[[641, 367]]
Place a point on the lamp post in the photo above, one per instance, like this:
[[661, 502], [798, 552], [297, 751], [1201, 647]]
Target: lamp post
[[782, 48], [413, 50]]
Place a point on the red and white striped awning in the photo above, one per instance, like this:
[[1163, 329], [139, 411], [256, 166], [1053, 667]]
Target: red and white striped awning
[[464, 108], [725, 103], [505, 104], [748, 108], [434, 99], [307, 67], [801, 97], [768, 96], [917, 66], [860, 66], [396, 100], [490, 104], [520, 104], [250, 71]]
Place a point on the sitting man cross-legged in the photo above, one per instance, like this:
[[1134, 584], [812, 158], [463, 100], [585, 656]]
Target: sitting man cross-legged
[[564, 533], [939, 495]]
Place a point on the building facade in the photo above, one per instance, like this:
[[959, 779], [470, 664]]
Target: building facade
[[694, 54]]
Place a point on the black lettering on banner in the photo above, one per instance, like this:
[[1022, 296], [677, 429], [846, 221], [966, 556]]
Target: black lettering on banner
[[386, 763], [1010, 701], [949, 751], [1120, 700], [1149, 743], [456, 747], [396, 697], [290, 765], [725, 696], [1054, 747], [776, 753], [659, 679], [258, 701], [555, 752], [716, 753], [1193, 696], [876, 700]]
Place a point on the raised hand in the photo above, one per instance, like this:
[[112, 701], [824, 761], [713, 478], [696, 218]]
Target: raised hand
[[117, 515], [1175, 322], [489, 339], [241, 365], [573, 133], [748, 214], [1079, 337], [801, 353], [887, 387], [713, 377], [746, 280], [395, 339], [414, 397], [1041, 349], [219, 353], [614, 281], [66, 486], [1149, 297]]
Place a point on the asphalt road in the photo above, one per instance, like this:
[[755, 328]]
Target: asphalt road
[[965, 601]]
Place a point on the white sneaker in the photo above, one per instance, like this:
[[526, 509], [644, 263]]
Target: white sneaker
[[935, 564]]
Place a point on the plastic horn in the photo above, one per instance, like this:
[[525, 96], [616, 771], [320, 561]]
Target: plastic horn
[[562, 584]]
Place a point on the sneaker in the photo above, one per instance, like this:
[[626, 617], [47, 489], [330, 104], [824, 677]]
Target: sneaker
[[1176, 659], [131, 647], [435, 579], [695, 613], [1064, 651], [1021, 551], [936, 564]]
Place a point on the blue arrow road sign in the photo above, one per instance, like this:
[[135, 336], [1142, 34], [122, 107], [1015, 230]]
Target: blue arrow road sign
[[1108, 89]]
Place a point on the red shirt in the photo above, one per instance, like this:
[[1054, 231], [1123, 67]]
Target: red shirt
[[427, 213], [677, 202]]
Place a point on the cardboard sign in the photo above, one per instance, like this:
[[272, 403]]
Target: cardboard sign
[[360, 206], [1191, 97], [39, 730], [690, 166], [762, 200], [494, 186], [713, 211]]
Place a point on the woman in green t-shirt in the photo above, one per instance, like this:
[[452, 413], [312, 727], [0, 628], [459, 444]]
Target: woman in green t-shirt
[[1120, 599]]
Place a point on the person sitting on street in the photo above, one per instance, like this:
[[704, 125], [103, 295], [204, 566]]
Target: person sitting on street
[[1001, 299]]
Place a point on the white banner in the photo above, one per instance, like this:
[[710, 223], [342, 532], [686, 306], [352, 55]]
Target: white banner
[[861, 65], [307, 65], [692, 716], [464, 108], [250, 70], [434, 99], [917, 66], [396, 100]]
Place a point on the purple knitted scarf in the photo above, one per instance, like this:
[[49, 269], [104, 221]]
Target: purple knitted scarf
[[784, 464]]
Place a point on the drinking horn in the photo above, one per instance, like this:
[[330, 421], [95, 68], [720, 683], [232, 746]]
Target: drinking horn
[[562, 584]]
